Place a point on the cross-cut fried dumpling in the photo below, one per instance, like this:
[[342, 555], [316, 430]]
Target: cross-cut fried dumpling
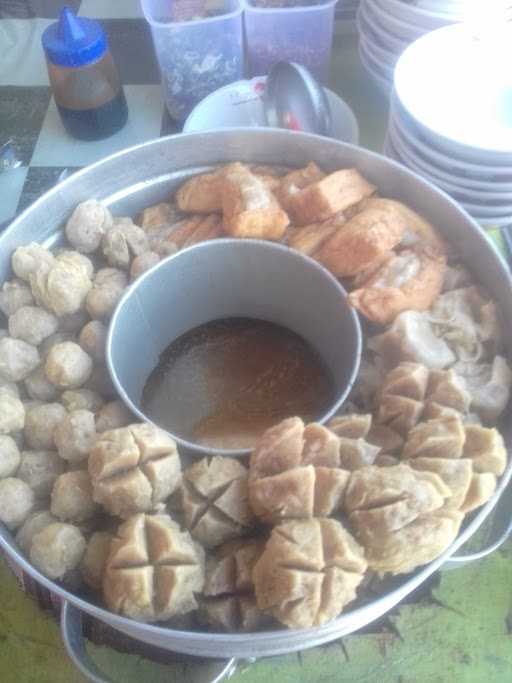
[[356, 453], [379, 500], [308, 572], [352, 426], [486, 449], [456, 474], [407, 379], [441, 438], [419, 542], [481, 488], [448, 389], [388, 440], [399, 412]]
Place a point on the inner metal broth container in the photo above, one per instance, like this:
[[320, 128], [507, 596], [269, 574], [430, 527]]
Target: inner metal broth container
[[231, 278]]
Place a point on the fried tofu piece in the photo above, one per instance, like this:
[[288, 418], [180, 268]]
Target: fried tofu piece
[[365, 238], [249, 207], [320, 200], [202, 193], [208, 228], [419, 231], [310, 238], [297, 180], [409, 280]]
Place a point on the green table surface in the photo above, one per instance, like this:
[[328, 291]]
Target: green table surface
[[458, 630]]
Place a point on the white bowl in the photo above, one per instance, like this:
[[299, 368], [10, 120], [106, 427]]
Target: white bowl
[[486, 222], [485, 192], [240, 105], [464, 103], [449, 162], [425, 166]]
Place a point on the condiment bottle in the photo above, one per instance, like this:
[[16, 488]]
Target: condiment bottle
[[84, 78]]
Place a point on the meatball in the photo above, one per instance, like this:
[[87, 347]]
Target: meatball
[[34, 523], [62, 288], [26, 260], [81, 399], [72, 497], [107, 288], [54, 339], [71, 324], [32, 324], [75, 435], [40, 423], [12, 413], [40, 469], [87, 225], [95, 558], [39, 387], [112, 416], [93, 338], [142, 263], [122, 242], [11, 387], [67, 365], [74, 258], [17, 359], [16, 502], [9, 456], [13, 295], [57, 549]]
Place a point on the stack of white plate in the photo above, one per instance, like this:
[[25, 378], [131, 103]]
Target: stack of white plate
[[387, 27], [451, 117]]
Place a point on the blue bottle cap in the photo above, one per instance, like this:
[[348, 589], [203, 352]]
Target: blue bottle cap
[[74, 41]]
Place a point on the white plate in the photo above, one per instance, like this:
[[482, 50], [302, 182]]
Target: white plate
[[416, 16], [486, 222], [465, 98], [388, 40], [450, 185], [464, 181], [480, 171], [240, 104]]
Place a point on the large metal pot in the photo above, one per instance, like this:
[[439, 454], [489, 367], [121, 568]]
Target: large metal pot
[[147, 174]]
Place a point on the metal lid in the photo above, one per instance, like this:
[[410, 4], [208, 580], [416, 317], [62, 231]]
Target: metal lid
[[73, 41], [295, 100]]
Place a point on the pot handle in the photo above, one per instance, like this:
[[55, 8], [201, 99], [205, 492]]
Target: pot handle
[[73, 638], [500, 531]]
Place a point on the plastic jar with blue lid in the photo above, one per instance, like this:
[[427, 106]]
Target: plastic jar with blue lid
[[85, 82]]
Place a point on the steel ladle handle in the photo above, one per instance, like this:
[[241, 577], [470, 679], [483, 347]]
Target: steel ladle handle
[[74, 642]]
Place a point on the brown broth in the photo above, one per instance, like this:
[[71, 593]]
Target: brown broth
[[223, 383]]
